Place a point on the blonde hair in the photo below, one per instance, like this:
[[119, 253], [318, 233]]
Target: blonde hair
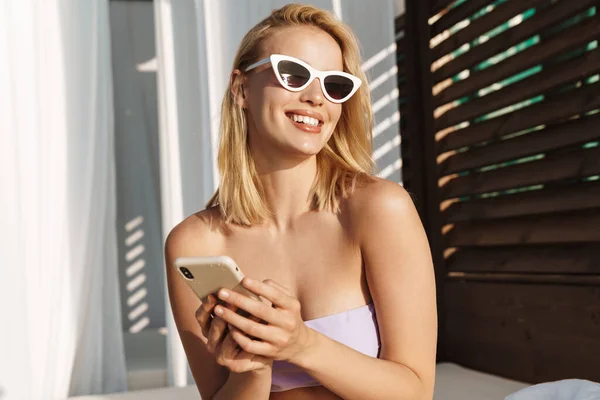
[[344, 160]]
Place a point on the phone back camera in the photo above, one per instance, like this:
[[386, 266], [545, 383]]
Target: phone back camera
[[186, 272]]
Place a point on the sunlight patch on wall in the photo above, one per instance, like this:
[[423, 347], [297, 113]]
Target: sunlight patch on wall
[[136, 278]]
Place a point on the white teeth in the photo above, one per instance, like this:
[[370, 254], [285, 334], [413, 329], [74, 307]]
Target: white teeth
[[305, 119]]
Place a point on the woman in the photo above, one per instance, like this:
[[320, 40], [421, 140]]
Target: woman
[[339, 256]]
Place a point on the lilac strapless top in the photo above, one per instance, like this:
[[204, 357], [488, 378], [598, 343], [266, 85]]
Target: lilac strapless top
[[354, 328]]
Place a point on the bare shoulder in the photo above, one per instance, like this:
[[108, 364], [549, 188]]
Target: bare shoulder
[[199, 234], [380, 190], [379, 202]]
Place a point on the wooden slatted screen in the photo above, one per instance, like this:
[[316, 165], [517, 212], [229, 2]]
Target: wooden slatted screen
[[510, 100]]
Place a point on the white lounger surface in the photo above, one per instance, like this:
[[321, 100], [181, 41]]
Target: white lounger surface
[[453, 382], [186, 393]]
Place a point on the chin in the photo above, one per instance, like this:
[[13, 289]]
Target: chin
[[308, 149], [310, 146]]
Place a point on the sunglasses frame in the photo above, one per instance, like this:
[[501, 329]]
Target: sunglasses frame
[[275, 59]]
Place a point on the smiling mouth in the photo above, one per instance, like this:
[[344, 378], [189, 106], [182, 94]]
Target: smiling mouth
[[306, 120]]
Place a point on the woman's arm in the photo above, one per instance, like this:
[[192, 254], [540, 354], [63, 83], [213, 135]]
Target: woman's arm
[[249, 385], [214, 381], [401, 281]]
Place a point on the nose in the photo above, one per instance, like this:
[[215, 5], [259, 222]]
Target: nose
[[313, 94]]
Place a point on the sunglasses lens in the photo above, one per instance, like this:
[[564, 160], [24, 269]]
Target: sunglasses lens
[[293, 74], [338, 87]]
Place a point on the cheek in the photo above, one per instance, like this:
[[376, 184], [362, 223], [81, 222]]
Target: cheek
[[262, 97], [335, 112], [274, 100]]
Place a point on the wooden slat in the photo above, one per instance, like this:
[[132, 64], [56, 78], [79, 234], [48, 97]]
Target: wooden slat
[[530, 57], [573, 227], [402, 88], [403, 110], [531, 333], [401, 68], [399, 23], [584, 280], [546, 18], [572, 133], [544, 201], [401, 47], [554, 259], [435, 6], [485, 23], [553, 168], [571, 103], [573, 70], [457, 14]]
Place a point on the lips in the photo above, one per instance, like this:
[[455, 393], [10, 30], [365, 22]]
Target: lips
[[306, 113], [306, 120], [306, 127]]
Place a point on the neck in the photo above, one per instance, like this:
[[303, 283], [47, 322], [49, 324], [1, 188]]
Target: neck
[[287, 186]]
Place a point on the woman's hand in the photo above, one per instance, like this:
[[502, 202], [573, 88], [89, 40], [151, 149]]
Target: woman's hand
[[283, 337], [221, 344], [213, 328]]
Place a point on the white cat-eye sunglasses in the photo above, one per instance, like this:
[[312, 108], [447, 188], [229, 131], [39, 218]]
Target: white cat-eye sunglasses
[[295, 75]]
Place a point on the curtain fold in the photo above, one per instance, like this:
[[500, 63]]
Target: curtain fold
[[59, 301]]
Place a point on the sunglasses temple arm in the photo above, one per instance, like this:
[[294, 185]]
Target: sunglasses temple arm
[[257, 64]]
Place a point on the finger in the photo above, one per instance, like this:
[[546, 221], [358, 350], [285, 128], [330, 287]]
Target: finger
[[254, 307], [223, 303], [203, 314], [257, 347], [279, 286], [227, 351], [278, 297], [248, 326], [218, 328]]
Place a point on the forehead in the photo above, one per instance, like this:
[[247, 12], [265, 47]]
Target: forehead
[[309, 44]]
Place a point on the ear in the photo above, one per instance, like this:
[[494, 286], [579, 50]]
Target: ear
[[237, 88]]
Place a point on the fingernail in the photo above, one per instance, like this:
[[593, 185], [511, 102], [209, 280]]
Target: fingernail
[[219, 310], [249, 281], [223, 294]]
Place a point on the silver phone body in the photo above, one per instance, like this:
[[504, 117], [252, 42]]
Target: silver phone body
[[209, 274]]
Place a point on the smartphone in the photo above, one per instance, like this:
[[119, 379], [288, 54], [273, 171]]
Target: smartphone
[[206, 275]]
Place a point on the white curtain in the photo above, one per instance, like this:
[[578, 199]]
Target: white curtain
[[60, 323]]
